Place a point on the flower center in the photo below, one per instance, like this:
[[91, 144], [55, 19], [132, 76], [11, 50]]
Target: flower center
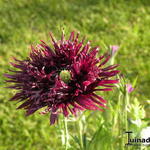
[[65, 75]]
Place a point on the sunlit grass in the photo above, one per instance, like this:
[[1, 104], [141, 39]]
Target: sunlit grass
[[22, 23]]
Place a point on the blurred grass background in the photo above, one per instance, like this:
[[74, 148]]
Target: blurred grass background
[[105, 22]]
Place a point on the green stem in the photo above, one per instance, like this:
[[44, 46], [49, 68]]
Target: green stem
[[80, 133], [66, 133], [126, 113], [121, 119]]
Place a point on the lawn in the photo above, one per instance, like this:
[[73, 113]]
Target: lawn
[[104, 22]]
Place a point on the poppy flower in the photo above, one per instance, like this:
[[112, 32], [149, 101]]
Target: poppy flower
[[64, 77], [129, 88], [114, 49]]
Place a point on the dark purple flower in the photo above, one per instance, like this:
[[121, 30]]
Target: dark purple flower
[[129, 88], [62, 78]]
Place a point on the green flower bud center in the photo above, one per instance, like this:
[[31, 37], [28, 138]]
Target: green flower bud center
[[65, 75]]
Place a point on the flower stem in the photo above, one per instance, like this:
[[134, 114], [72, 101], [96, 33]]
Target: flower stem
[[66, 133], [80, 132]]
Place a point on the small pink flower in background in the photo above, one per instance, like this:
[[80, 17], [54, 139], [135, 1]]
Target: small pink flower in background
[[114, 49], [129, 88]]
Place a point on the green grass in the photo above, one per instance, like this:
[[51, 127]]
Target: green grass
[[104, 22]]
